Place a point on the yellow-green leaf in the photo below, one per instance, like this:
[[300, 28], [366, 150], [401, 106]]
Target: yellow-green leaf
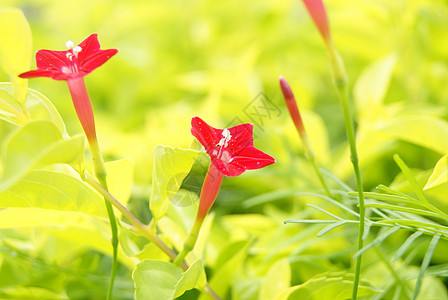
[[37, 107], [276, 280], [155, 280], [15, 48], [34, 145], [120, 178], [439, 175], [171, 165], [191, 278]]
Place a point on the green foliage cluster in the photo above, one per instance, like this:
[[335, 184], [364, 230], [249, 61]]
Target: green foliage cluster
[[178, 59]]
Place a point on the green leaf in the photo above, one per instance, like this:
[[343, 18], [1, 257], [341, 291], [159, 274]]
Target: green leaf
[[120, 178], [19, 217], [37, 106], [410, 178], [372, 85], [425, 264], [193, 277], [426, 131], [156, 280], [335, 286], [439, 175], [229, 263], [15, 48], [276, 280], [171, 165], [53, 190], [37, 144]]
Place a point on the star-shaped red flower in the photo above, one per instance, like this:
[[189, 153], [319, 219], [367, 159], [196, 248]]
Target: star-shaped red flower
[[76, 62], [231, 150]]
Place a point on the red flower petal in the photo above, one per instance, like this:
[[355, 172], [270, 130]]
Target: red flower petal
[[96, 60], [48, 59], [251, 158], [44, 73], [206, 135], [241, 137], [89, 47]]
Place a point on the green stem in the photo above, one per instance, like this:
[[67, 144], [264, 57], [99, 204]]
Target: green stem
[[340, 78], [140, 227], [190, 241], [354, 158], [209, 192], [312, 160], [100, 172]]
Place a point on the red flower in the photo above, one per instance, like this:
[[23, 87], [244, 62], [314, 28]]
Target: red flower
[[76, 62], [231, 150]]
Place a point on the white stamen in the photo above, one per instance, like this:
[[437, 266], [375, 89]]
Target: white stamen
[[70, 45], [76, 50], [226, 138]]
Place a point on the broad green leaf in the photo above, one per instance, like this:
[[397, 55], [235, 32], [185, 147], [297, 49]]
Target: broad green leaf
[[80, 230], [156, 280], [426, 131], [120, 178], [37, 106], [336, 286], [439, 175], [53, 190], [276, 280], [20, 217], [34, 145], [193, 277], [15, 48], [171, 165], [30, 293], [371, 86]]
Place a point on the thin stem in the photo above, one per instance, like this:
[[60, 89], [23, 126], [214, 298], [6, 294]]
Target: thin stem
[[319, 175], [340, 78], [140, 227], [209, 192], [354, 158], [83, 107]]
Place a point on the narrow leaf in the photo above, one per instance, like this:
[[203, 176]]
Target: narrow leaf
[[406, 245], [403, 209], [425, 264], [411, 179], [376, 241]]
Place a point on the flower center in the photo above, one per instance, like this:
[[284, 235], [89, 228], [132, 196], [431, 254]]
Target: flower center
[[226, 138], [72, 56], [220, 153]]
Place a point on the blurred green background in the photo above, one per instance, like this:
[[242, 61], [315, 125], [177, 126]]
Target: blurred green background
[[178, 59], [217, 60]]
